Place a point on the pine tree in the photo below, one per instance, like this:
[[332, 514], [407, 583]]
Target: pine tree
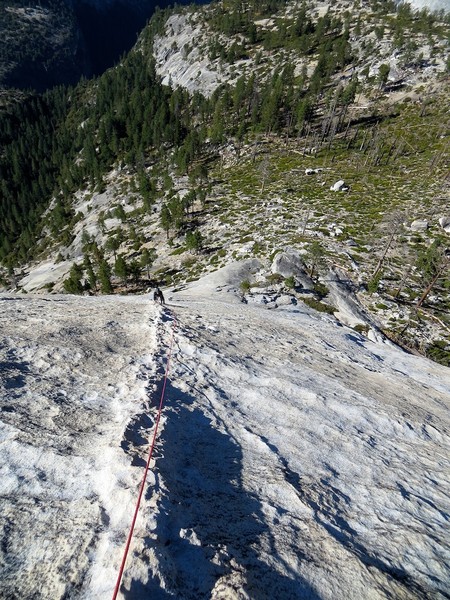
[[165, 219], [177, 214], [73, 284], [434, 264], [383, 74], [104, 275], [194, 240], [316, 254], [134, 269], [92, 277], [148, 257], [113, 243], [121, 268]]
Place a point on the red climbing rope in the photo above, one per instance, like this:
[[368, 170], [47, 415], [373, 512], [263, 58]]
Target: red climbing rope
[[147, 466]]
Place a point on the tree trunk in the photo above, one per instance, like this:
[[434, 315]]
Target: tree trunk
[[402, 283], [308, 214], [431, 284], [380, 262]]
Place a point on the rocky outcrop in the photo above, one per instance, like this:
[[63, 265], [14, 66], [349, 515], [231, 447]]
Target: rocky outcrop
[[430, 4], [290, 264], [181, 62]]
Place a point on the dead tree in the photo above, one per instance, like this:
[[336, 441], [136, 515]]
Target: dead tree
[[394, 223], [436, 264]]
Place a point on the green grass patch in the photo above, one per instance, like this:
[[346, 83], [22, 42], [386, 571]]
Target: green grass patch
[[319, 306]]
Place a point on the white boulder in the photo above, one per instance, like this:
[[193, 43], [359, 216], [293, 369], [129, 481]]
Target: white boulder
[[339, 186], [419, 225], [444, 222]]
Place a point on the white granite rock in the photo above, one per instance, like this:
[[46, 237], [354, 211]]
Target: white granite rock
[[339, 186], [419, 225]]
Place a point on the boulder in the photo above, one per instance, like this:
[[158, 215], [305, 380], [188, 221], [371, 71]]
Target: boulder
[[376, 336], [444, 222], [419, 225], [339, 186], [290, 264], [335, 230]]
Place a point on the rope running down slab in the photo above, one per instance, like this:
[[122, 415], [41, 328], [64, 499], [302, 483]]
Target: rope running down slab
[[147, 466]]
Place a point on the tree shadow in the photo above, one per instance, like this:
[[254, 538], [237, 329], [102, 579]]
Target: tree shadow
[[208, 525]]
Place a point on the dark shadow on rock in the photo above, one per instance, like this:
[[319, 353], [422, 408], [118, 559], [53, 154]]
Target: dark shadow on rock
[[141, 591], [137, 434], [208, 525], [13, 373], [357, 339]]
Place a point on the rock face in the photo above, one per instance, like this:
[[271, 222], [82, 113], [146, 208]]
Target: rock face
[[179, 67], [290, 264], [430, 4]]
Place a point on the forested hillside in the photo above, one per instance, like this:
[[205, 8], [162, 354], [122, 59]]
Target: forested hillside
[[225, 133]]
